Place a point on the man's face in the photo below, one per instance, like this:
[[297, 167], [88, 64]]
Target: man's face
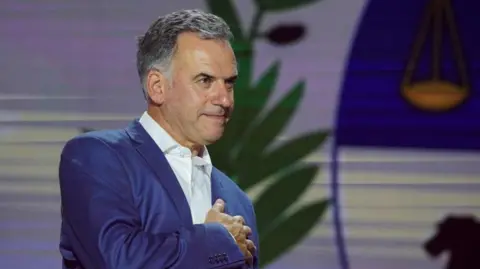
[[199, 102]]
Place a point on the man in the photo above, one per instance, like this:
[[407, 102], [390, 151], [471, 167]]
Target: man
[[142, 197]]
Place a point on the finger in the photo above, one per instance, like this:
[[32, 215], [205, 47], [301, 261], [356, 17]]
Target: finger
[[249, 258], [251, 246], [238, 231], [239, 219], [247, 254], [219, 205], [226, 219], [247, 230]]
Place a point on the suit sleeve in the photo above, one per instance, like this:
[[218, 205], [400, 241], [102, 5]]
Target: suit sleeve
[[105, 228], [255, 238]]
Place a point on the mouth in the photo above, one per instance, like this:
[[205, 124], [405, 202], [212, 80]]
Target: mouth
[[218, 118]]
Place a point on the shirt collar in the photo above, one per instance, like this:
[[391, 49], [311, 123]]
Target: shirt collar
[[166, 143]]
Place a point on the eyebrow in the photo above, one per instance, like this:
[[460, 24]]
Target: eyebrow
[[203, 74]]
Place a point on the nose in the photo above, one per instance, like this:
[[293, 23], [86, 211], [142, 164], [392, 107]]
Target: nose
[[223, 96]]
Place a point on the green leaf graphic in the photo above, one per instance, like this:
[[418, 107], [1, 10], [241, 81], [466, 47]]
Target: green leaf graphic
[[290, 231], [272, 124], [244, 54], [226, 10], [302, 177], [255, 101], [281, 157], [281, 5], [265, 86]]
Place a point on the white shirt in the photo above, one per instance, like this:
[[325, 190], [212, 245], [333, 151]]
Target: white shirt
[[192, 172]]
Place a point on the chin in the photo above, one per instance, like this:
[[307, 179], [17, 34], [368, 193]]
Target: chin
[[213, 137]]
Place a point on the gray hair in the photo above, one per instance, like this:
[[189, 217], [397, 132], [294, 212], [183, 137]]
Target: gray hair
[[157, 46]]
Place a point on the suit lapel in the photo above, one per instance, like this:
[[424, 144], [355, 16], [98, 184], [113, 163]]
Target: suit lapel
[[218, 192], [155, 158]]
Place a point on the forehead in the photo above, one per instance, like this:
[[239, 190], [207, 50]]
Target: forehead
[[201, 55]]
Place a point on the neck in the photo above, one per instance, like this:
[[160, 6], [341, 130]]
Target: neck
[[159, 118]]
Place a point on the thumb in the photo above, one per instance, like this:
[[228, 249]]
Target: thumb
[[219, 206]]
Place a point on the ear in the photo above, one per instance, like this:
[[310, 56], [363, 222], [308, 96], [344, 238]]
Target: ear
[[156, 83]]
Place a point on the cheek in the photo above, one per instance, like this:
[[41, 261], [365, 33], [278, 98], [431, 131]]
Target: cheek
[[194, 105], [189, 100], [200, 98]]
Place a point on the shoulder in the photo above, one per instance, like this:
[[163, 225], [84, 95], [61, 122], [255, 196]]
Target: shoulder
[[98, 142], [97, 154]]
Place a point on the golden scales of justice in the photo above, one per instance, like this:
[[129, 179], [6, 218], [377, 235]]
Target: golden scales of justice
[[436, 95]]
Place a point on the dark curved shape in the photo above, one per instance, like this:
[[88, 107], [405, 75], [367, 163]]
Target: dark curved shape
[[460, 236]]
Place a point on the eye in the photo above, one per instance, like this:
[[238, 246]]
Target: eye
[[230, 84], [206, 81]]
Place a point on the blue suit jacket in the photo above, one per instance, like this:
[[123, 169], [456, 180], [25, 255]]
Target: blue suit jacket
[[123, 208]]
